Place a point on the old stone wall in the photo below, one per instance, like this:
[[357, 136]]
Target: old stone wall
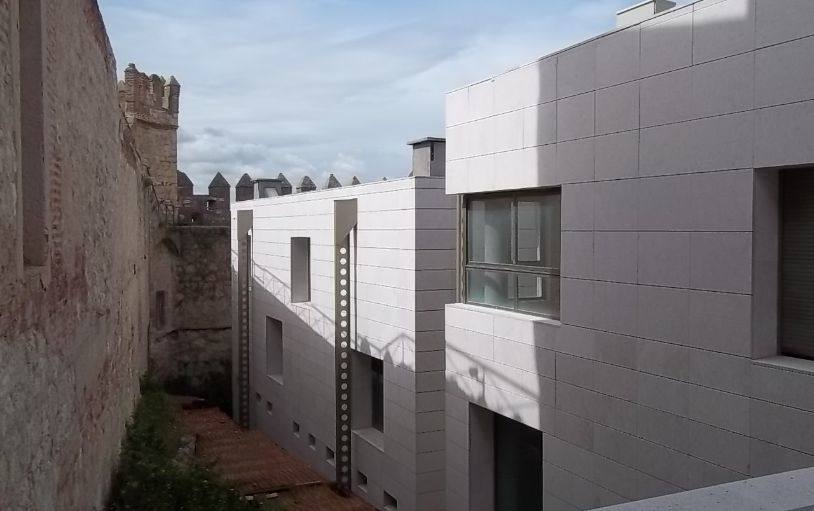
[[73, 331], [192, 355]]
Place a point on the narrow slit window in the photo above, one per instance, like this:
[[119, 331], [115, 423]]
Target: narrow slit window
[[32, 133], [274, 349], [300, 270], [161, 308]]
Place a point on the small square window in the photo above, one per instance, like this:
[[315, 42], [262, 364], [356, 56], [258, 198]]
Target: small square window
[[362, 478], [269, 407], [330, 456], [312, 441], [258, 397], [390, 502], [295, 428], [300, 270]]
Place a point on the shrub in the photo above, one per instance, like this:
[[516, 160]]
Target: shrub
[[150, 477]]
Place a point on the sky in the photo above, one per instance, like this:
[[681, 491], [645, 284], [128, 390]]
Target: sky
[[330, 86]]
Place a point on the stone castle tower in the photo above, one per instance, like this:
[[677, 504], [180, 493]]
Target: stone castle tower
[[150, 105]]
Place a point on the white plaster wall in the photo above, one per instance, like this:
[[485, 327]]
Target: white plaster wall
[[654, 381], [405, 256]]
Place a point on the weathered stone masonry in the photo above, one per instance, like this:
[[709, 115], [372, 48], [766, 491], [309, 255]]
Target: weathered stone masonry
[[73, 330]]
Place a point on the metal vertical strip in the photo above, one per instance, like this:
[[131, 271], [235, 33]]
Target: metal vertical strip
[[342, 361], [345, 216], [244, 279]]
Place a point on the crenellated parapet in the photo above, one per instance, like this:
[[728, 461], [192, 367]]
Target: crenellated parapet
[[150, 104], [203, 209], [149, 98]]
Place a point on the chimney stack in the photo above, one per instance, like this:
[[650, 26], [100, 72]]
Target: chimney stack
[[642, 11], [429, 157]]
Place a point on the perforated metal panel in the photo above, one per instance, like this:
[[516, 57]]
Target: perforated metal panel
[[244, 284], [344, 222]]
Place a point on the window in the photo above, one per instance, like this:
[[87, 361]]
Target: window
[[300, 270], [160, 309], [513, 251], [368, 392], [269, 408], [518, 462], [390, 502], [295, 428], [330, 455], [362, 478], [32, 133], [211, 204], [796, 327], [312, 441], [274, 349], [377, 393]]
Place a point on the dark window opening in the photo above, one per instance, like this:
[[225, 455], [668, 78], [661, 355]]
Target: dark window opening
[[32, 134], [300, 270], [390, 502], [518, 458], [796, 328], [210, 205], [367, 392], [377, 393], [160, 308], [513, 251], [274, 349], [362, 478]]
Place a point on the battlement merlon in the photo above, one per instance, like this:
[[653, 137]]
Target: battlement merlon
[[151, 99]]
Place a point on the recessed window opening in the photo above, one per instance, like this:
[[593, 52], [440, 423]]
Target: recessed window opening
[[367, 392], [796, 325], [513, 251], [362, 478], [269, 407], [160, 308], [32, 134], [295, 428], [274, 349], [377, 393], [312, 441], [300, 270], [330, 455], [390, 502], [518, 462]]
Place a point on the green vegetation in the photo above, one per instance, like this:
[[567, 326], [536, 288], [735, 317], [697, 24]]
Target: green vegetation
[[150, 477]]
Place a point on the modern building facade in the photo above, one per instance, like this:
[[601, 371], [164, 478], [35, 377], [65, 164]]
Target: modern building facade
[[338, 310], [634, 312]]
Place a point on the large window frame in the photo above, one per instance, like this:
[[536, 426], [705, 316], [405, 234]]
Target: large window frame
[[516, 267]]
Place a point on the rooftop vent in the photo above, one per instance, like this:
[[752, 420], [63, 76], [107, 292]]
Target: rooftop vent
[[641, 11]]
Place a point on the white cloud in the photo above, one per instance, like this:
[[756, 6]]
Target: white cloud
[[321, 86]]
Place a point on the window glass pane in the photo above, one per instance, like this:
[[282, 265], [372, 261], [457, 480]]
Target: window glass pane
[[539, 294], [489, 226], [538, 230], [490, 287]]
